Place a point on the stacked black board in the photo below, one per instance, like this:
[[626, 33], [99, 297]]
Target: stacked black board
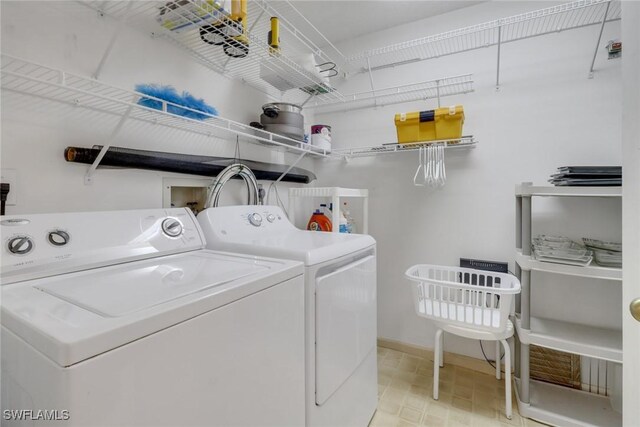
[[592, 176]]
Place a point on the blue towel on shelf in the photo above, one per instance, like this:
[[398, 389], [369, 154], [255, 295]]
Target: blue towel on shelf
[[169, 94]]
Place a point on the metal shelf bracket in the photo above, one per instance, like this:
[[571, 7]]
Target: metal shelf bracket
[[595, 52], [300, 157], [373, 88], [498, 64], [88, 177], [112, 41]]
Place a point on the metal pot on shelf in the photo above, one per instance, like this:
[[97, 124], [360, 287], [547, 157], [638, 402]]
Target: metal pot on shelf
[[273, 109], [282, 118]]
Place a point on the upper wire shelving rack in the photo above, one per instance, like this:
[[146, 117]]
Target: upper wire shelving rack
[[294, 78], [28, 78], [432, 89], [517, 27]]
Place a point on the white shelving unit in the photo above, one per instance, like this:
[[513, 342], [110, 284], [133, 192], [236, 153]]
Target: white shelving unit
[[295, 46], [544, 402], [31, 79], [394, 148], [550, 20], [431, 89], [335, 194]]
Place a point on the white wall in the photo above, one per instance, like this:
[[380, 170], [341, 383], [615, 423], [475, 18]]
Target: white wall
[[546, 114], [70, 36]]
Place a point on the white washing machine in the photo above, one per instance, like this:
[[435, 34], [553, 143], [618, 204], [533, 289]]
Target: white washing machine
[[123, 319], [340, 308]]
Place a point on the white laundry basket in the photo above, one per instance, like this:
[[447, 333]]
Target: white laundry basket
[[462, 296]]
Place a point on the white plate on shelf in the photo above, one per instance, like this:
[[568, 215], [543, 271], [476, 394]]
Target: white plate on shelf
[[563, 253], [581, 263], [599, 244]]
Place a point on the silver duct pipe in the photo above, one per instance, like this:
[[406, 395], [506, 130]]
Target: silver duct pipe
[[236, 169]]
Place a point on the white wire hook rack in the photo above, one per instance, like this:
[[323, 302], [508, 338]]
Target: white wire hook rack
[[297, 81], [430, 89], [550, 20], [32, 79]]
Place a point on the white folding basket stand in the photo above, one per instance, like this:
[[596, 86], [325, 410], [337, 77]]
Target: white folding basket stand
[[470, 303]]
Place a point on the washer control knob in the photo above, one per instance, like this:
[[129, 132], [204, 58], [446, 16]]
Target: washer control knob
[[172, 227], [58, 237], [255, 219], [271, 217], [20, 245]]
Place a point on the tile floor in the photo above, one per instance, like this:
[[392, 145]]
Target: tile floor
[[467, 398]]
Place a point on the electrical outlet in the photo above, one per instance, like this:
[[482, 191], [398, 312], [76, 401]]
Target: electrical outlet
[[10, 176], [495, 266]]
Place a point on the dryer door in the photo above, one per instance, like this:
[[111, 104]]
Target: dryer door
[[345, 323]]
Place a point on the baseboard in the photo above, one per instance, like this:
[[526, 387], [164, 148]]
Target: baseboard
[[427, 353]]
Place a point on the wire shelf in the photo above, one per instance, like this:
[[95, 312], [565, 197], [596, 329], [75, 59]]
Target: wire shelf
[[518, 27], [432, 89], [292, 70], [24, 77], [464, 142]]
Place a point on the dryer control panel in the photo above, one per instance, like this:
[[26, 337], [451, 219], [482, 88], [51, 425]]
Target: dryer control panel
[[252, 219], [42, 245], [265, 215]]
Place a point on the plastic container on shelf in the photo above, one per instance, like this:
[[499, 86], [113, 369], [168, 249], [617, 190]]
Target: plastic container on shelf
[[321, 141], [430, 125], [351, 225], [319, 222], [344, 225], [183, 16]]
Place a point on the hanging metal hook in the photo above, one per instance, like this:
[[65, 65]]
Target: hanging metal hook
[[416, 182], [443, 172]]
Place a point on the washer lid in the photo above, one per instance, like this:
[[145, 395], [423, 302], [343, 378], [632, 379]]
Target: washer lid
[[138, 286], [75, 316]]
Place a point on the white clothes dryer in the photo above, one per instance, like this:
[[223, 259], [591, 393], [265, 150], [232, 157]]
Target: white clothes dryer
[[340, 305]]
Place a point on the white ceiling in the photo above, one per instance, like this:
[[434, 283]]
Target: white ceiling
[[339, 20]]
